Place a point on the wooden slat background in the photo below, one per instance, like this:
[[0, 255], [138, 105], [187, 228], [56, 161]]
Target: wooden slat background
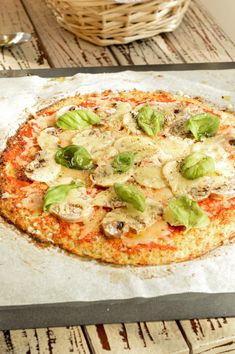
[[198, 39]]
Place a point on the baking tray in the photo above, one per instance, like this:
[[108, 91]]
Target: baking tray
[[58, 72], [168, 307]]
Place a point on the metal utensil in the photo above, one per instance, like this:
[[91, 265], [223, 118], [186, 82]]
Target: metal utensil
[[7, 40]]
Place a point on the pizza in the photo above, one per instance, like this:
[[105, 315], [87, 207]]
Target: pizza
[[130, 177]]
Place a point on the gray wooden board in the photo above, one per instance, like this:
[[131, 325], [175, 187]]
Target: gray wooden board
[[169, 307]]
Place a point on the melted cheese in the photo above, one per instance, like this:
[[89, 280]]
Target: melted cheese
[[161, 196], [34, 201], [112, 117], [105, 176], [149, 176], [107, 198], [151, 234], [95, 141], [65, 109], [213, 147], [173, 148], [65, 137], [121, 109], [141, 145]]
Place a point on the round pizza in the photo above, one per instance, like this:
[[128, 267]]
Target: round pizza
[[141, 178]]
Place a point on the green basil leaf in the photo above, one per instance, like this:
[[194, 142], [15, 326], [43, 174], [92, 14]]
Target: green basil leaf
[[123, 161], [186, 212], [197, 165], [58, 194], [75, 157], [130, 194], [203, 125], [150, 120], [88, 116], [78, 119]]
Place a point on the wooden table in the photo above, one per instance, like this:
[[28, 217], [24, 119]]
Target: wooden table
[[198, 39]]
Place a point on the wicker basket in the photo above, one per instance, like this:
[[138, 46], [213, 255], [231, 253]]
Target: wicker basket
[[106, 22]]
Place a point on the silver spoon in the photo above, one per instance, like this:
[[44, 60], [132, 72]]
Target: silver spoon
[[7, 40]]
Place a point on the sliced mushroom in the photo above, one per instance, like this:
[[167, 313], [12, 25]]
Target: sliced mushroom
[[118, 222], [122, 220], [112, 117], [178, 128], [48, 139], [108, 199], [140, 145], [43, 168], [130, 123], [199, 188], [77, 206], [95, 141], [226, 190], [114, 229], [67, 212]]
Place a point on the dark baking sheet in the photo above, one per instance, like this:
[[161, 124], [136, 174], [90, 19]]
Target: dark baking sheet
[[169, 307], [58, 72]]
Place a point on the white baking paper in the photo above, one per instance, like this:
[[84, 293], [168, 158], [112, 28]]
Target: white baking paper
[[33, 275]]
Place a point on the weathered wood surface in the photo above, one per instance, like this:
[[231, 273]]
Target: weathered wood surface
[[144, 337], [209, 336], [198, 39], [44, 341], [63, 48], [29, 55]]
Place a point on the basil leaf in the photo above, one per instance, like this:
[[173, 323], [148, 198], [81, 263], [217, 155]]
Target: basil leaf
[[150, 120], [75, 157], [130, 194], [197, 165], [123, 161], [203, 125], [78, 119], [88, 116], [58, 194], [184, 211]]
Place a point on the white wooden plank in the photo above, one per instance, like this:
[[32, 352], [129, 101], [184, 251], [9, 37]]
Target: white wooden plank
[[63, 48], [19, 340], [28, 55], [5, 342], [210, 335], [62, 340], [44, 341], [197, 39], [200, 39], [157, 50], [137, 338]]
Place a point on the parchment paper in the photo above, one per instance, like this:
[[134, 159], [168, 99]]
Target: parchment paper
[[32, 275]]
